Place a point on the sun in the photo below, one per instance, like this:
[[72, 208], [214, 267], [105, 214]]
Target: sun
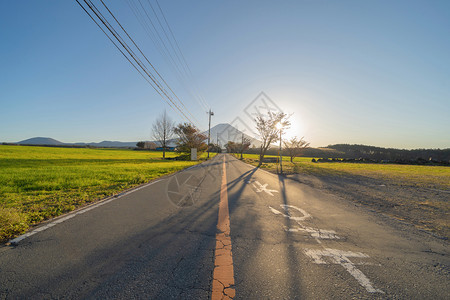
[[297, 129]]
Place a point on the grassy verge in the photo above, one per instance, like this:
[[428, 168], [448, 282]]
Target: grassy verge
[[437, 177], [38, 183]]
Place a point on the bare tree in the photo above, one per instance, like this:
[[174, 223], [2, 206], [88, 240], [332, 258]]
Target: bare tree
[[295, 146], [163, 131], [268, 131]]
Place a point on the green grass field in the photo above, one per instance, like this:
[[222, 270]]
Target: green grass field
[[421, 176], [38, 183]]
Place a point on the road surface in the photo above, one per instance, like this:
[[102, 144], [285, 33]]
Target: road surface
[[224, 229]]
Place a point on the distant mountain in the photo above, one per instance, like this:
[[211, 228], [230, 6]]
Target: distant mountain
[[40, 141], [225, 132], [53, 142], [108, 144]]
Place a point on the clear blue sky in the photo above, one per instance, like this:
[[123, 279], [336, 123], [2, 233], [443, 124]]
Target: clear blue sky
[[365, 72]]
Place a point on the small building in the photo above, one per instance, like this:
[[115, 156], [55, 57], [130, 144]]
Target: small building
[[150, 145], [167, 149]]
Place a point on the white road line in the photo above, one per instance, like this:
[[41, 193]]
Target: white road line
[[315, 233], [305, 214], [75, 213], [339, 257], [288, 215], [342, 258], [276, 211]]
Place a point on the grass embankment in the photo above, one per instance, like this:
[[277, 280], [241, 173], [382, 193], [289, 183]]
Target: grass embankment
[[38, 183], [420, 176]]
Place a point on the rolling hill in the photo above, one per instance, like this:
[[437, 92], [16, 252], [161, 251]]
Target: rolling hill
[[40, 141], [221, 132], [52, 142]]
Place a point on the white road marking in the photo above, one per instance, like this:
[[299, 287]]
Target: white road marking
[[336, 256], [305, 214], [342, 258], [263, 188], [276, 211], [75, 213], [315, 233], [287, 214]]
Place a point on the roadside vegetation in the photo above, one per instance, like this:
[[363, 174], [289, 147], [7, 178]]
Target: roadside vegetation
[[38, 183], [420, 176]]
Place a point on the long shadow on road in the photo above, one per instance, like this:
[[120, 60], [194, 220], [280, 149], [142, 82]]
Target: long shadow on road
[[249, 240]]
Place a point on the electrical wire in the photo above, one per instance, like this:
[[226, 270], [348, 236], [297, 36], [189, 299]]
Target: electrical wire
[[152, 31], [202, 100], [139, 49], [132, 56], [182, 73]]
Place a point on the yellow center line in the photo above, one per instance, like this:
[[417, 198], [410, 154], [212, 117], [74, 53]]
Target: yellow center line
[[223, 276]]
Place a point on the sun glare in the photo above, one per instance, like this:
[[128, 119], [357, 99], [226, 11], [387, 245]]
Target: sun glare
[[296, 129]]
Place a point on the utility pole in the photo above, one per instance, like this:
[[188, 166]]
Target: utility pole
[[242, 145], [281, 156], [210, 113]]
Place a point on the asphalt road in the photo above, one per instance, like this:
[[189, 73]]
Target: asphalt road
[[288, 241]]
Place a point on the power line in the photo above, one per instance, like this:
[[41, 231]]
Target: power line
[[181, 53], [182, 70], [117, 47], [167, 37], [157, 39], [139, 49], [164, 53], [133, 57], [168, 53], [127, 48]]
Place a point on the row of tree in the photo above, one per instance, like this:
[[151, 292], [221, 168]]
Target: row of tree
[[270, 128], [238, 148], [188, 136]]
